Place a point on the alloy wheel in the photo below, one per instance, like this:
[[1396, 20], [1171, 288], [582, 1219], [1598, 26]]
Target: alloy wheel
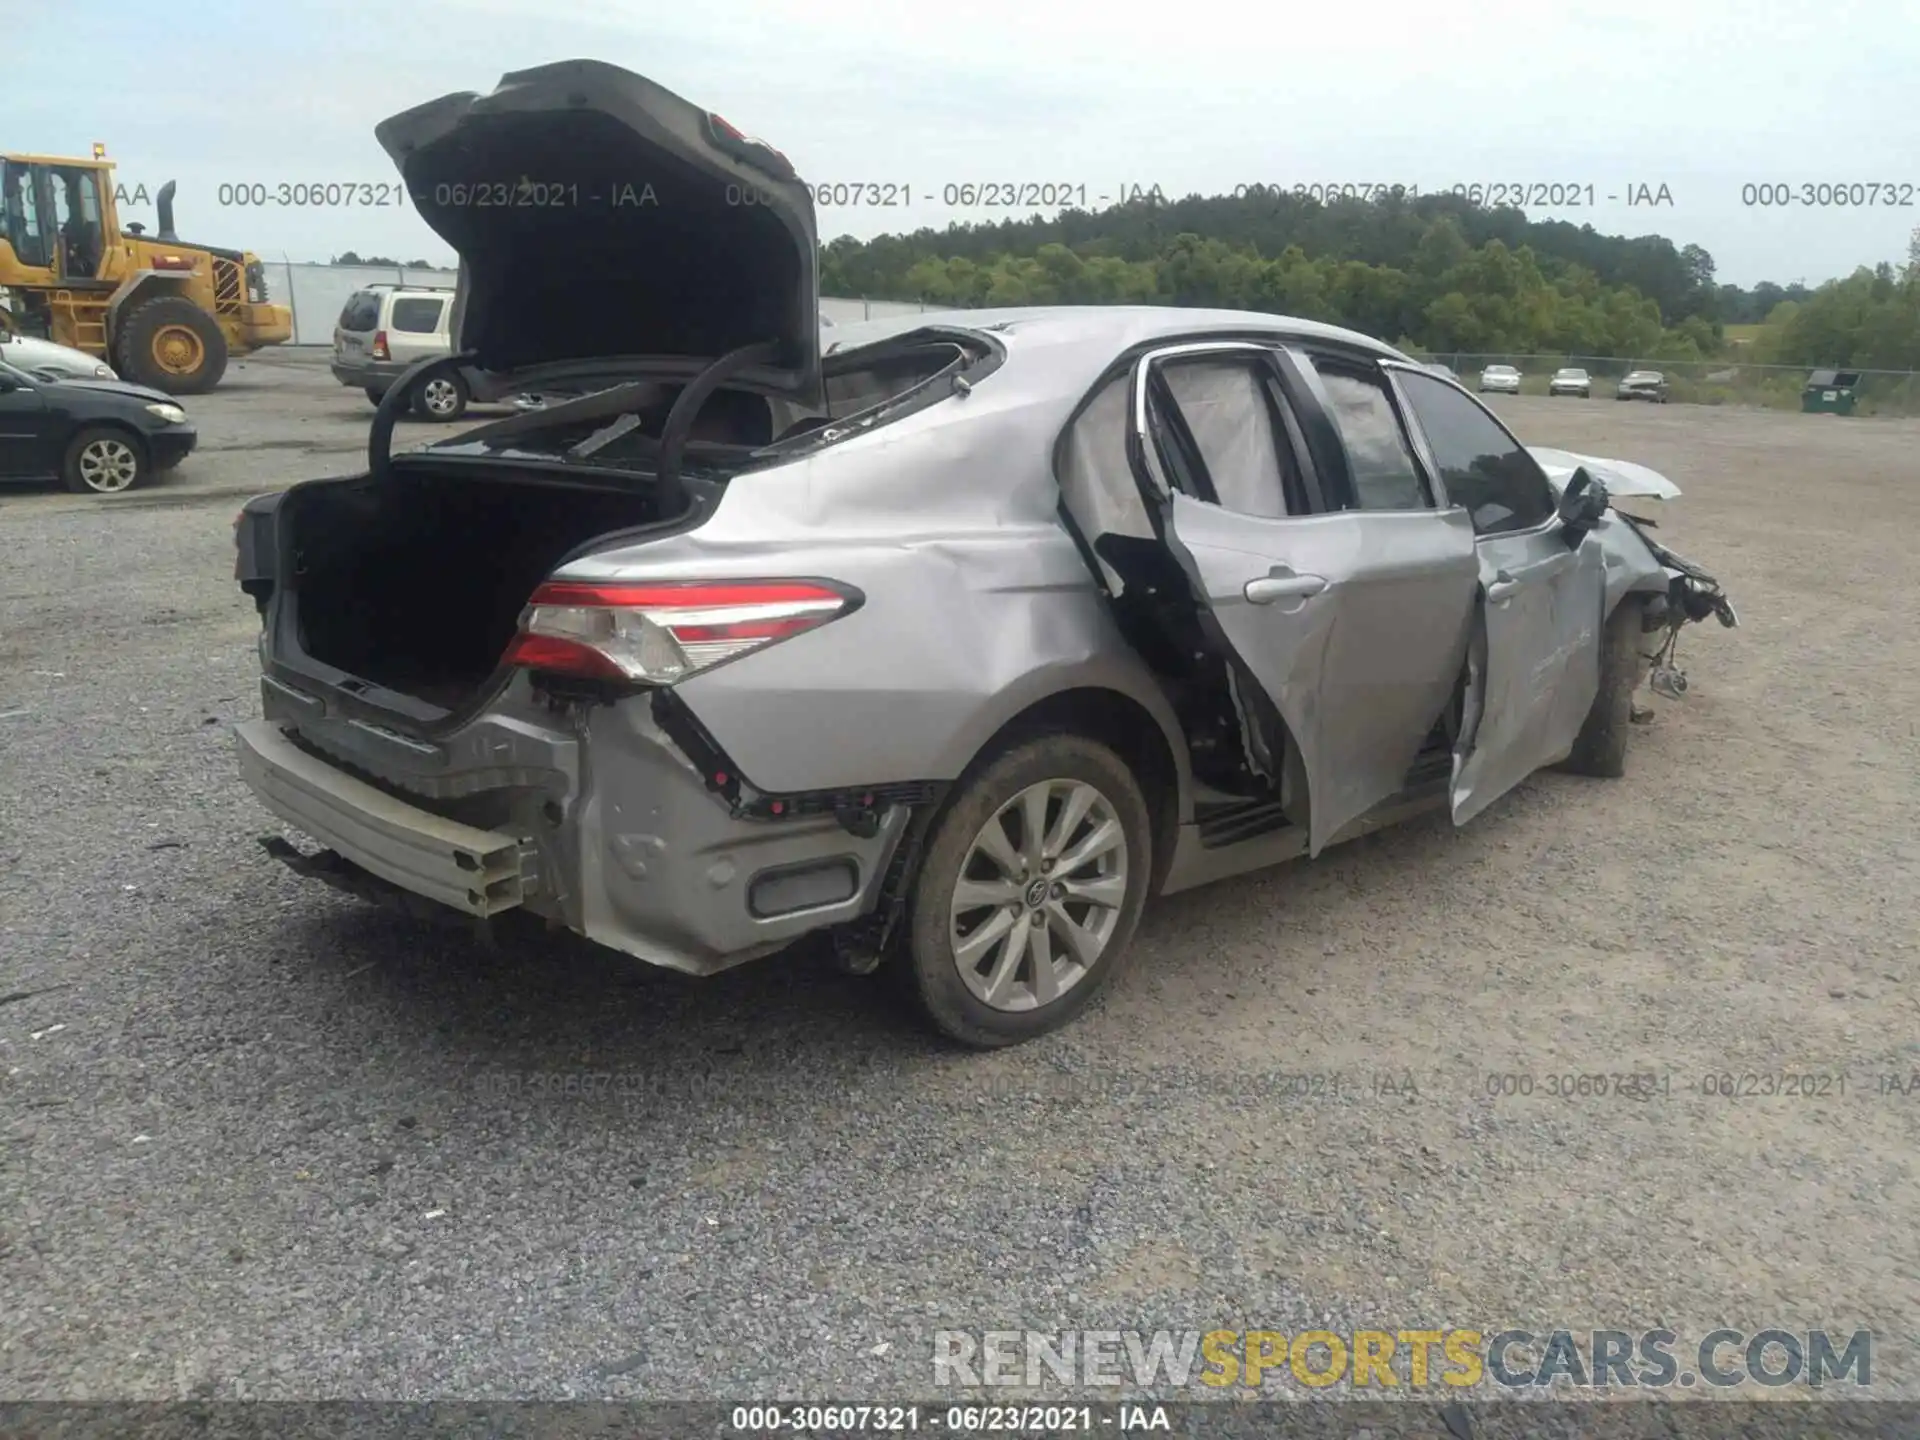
[[1039, 895], [440, 397], [108, 465]]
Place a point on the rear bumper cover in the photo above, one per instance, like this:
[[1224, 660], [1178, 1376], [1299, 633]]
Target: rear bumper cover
[[608, 826]]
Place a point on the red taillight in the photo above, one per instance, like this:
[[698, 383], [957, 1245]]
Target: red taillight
[[742, 146], [380, 345], [665, 632]]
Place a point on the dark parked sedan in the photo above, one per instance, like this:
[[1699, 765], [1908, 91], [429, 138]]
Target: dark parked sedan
[[96, 436], [1643, 385]]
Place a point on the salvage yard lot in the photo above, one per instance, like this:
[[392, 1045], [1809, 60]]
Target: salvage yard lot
[[261, 1141]]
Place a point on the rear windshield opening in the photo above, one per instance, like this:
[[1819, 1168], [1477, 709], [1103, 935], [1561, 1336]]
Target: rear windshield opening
[[863, 383], [863, 386]]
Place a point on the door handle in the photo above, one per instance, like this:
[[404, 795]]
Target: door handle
[[1269, 588], [1502, 588]]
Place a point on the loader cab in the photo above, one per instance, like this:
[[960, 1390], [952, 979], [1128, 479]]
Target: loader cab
[[58, 221]]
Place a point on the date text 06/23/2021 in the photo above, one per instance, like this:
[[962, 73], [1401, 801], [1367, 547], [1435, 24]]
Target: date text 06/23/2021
[[534, 193], [524, 192]]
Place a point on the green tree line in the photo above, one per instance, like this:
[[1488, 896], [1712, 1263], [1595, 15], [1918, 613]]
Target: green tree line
[[1436, 273], [1868, 321], [1446, 294]]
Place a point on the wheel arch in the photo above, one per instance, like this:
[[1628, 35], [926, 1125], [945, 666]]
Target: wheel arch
[[1124, 725], [143, 285], [123, 428]]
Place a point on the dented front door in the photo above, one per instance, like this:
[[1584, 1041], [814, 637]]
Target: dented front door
[[1534, 666]]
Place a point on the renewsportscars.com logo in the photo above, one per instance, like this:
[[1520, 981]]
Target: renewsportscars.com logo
[[1456, 1359]]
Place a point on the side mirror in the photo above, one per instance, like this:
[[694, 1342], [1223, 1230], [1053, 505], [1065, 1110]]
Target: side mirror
[[1582, 506]]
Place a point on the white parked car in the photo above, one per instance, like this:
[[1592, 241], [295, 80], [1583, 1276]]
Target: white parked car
[[50, 361], [1503, 379]]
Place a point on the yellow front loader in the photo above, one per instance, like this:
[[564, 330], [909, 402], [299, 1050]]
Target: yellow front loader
[[163, 312]]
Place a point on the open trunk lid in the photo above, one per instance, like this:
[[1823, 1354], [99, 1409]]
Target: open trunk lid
[[608, 227]]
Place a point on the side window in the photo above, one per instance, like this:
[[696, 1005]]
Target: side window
[[417, 316], [26, 228], [1227, 408], [1482, 466], [1385, 474]]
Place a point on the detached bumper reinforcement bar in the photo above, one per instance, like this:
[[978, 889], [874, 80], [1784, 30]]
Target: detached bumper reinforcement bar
[[478, 872]]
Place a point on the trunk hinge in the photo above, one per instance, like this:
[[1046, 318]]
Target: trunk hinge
[[396, 401]]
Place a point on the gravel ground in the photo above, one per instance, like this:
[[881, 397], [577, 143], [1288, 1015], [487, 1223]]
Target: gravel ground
[[262, 1142]]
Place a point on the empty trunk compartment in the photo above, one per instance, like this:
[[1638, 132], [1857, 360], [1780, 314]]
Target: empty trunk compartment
[[416, 582]]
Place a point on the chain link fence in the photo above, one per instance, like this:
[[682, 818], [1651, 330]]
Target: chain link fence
[[316, 294], [1697, 382]]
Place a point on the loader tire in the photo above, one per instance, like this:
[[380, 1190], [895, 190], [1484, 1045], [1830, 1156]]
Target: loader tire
[[172, 345], [1601, 747]]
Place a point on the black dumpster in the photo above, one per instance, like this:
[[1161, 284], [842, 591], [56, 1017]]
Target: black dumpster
[[1830, 392]]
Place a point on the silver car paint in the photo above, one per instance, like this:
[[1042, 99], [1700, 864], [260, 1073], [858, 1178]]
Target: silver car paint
[[978, 604], [1359, 669], [1621, 477], [36, 356], [1540, 600]]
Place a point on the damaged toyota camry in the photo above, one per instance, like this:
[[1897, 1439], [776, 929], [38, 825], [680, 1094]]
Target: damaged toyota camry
[[955, 638]]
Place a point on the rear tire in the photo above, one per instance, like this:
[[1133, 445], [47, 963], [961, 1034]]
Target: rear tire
[[442, 397], [105, 460], [1060, 960], [1600, 749], [375, 394], [171, 344]]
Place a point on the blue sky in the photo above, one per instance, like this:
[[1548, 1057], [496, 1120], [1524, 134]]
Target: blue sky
[[1701, 98]]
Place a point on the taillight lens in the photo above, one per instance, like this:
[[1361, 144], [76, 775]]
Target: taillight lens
[[664, 632], [380, 345]]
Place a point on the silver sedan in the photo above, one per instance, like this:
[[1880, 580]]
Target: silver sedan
[[953, 645]]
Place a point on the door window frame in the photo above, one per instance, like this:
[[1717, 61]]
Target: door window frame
[[1283, 371], [1172, 430], [1393, 370], [1378, 371]]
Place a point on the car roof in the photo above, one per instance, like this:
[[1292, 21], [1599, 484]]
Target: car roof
[[1065, 348]]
